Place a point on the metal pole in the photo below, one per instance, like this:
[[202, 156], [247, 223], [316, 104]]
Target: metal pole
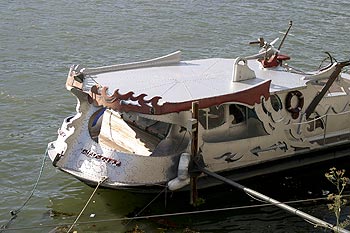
[[285, 35], [305, 216]]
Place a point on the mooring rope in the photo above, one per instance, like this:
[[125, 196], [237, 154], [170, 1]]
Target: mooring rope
[[143, 209], [104, 178], [14, 213], [171, 214]]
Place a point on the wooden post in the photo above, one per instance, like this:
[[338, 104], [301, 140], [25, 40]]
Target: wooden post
[[194, 150]]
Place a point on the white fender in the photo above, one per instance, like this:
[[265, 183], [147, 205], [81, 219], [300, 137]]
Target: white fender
[[182, 178]]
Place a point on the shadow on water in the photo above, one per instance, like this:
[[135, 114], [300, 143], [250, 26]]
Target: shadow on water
[[237, 212]]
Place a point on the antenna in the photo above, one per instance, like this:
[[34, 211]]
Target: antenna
[[285, 35]]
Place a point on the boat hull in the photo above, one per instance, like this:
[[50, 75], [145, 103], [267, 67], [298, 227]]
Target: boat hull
[[303, 159], [264, 121], [75, 152]]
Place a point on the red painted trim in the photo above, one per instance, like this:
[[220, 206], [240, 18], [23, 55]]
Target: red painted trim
[[274, 60], [117, 101]]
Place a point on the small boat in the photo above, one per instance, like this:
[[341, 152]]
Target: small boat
[[136, 124]]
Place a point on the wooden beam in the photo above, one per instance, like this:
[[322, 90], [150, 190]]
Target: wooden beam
[[194, 151]]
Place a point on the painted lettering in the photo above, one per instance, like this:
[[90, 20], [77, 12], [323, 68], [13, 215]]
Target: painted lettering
[[95, 155]]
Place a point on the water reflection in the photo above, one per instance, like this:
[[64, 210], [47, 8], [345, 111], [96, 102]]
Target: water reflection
[[108, 208]]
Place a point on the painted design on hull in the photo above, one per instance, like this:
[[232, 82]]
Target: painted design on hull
[[279, 145], [229, 157]]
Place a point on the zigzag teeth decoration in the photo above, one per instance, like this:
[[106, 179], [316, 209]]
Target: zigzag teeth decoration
[[123, 102]]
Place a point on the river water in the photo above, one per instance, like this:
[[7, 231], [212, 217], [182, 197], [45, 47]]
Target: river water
[[39, 40]]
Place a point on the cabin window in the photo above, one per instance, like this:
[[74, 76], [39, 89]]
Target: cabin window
[[276, 102], [238, 112], [212, 117], [156, 128]]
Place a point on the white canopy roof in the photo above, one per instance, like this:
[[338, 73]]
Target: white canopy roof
[[192, 80]]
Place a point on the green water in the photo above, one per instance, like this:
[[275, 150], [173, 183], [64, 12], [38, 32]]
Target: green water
[[39, 40]]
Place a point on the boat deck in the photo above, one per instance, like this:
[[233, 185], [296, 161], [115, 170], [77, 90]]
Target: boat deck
[[128, 139]]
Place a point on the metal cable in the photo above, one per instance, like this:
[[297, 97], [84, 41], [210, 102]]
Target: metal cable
[[136, 215], [172, 214], [14, 213]]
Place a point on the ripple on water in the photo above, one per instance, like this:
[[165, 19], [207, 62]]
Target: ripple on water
[[40, 40]]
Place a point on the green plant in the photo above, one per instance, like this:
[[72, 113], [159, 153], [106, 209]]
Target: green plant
[[199, 202], [337, 178]]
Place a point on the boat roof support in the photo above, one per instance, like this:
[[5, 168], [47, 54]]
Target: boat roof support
[[194, 151]]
